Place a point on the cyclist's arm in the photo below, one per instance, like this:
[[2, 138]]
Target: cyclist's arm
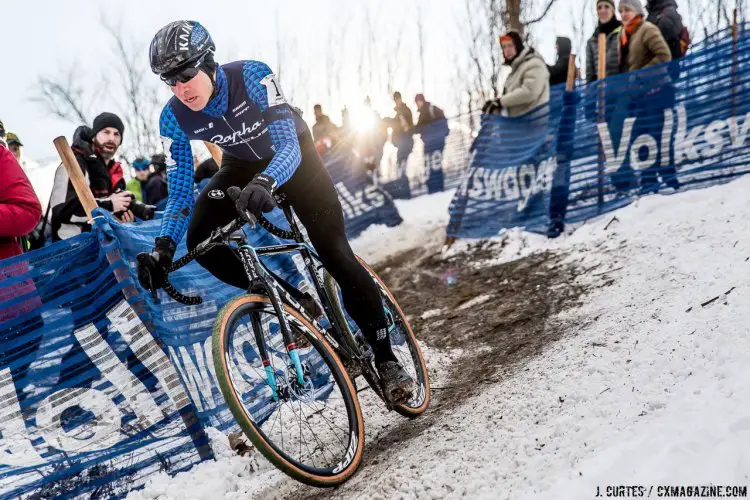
[[179, 159], [264, 89]]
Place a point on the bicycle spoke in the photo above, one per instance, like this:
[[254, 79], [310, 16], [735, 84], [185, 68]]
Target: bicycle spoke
[[330, 425], [315, 436]]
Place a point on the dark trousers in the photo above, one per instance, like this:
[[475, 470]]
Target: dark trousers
[[312, 195]]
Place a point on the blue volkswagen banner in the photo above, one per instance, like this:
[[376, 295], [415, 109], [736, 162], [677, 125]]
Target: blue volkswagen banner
[[662, 129], [91, 403], [434, 136], [100, 386], [364, 204]]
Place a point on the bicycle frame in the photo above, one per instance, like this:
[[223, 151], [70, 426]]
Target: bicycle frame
[[256, 270], [263, 281]]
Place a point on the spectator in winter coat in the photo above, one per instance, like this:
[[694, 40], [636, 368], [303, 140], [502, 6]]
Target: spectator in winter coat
[[428, 112], [558, 72], [2, 134], [641, 43], [663, 13], [527, 86], [94, 149], [642, 46], [402, 124], [324, 127], [612, 28], [155, 189], [403, 121], [19, 213], [14, 145], [141, 168], [20, 210]]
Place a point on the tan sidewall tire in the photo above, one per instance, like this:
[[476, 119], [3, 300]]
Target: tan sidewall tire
[[406, 411], [222, 373]]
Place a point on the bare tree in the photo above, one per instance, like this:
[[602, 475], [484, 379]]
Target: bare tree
[[579, 30], [420, 39], [138, 96], [708, 17], [64, 98], [73, 96]]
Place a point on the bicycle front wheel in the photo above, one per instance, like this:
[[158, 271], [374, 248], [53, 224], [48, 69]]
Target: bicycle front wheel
[[312, 431]]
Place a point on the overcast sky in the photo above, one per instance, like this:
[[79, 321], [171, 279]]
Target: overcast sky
[[47, 37]]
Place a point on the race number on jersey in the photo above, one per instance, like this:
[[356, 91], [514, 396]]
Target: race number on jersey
[[273, 89]]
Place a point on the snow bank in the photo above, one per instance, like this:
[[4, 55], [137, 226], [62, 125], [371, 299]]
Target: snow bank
[[425, 219], [653, 389]]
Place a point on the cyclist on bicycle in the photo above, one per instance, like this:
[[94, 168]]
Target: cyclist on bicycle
[[267, 149]]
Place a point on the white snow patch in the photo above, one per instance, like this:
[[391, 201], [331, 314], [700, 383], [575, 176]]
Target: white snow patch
[[431, 313], [476, 301], [651, 388], [425, 219]]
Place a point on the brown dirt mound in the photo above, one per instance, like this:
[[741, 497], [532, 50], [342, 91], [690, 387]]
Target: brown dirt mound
[[500, 315]]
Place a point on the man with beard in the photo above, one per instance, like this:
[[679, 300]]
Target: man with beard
[[94, 150]]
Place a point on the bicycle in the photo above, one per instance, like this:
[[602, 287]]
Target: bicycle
[[278, 365]]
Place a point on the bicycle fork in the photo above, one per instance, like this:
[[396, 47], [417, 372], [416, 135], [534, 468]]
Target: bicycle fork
[[259, 284]]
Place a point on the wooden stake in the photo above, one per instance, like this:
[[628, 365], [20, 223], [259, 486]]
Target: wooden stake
[[215, 151], [601, 75], [571, 73], [735, 37], [602, 67], [76, 176]]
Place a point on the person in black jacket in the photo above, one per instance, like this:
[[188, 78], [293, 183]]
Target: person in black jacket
[[155, 190], [663, 13], [94, 149], [428, 112], [558, 72]]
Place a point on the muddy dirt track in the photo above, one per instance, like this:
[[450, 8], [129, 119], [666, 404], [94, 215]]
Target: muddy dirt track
[[499, 316]]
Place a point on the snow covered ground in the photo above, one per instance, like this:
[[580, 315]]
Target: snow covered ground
[[653, 390]]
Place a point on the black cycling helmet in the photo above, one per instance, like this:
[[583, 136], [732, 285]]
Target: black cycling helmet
[[179, 45]]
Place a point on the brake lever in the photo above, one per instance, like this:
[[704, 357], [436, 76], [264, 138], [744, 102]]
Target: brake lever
[[152, 289]]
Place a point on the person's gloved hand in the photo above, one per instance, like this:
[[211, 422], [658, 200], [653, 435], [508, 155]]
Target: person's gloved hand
[[492, 107], [257, 197], [152, 267]]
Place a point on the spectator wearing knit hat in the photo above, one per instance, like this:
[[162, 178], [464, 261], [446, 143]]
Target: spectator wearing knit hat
[[641, 43], [612, 29], [527, 86], [94, 149], [651, 91]]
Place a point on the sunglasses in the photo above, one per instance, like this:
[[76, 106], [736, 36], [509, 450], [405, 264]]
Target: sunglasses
[[182, 76]]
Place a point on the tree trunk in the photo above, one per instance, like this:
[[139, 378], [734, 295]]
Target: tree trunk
[[513, 15]]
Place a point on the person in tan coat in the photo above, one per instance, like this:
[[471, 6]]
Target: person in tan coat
[[641, 43], [644, 50], [527, 86]]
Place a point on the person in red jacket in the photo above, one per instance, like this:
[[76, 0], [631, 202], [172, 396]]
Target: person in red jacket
[[20, 210]]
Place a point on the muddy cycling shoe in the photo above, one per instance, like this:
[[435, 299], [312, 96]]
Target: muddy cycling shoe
[[397, 384], [353, 368]]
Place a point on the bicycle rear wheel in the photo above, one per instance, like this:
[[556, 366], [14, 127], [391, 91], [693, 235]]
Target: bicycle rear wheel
[[403, 342], [314, 432]]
